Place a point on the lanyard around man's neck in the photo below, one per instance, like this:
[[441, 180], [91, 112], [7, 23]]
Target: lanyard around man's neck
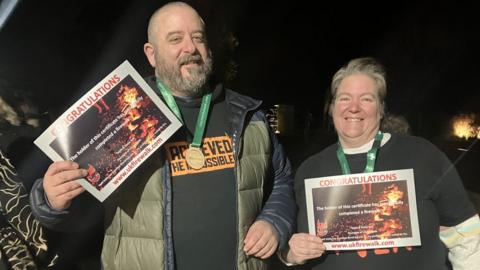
[[371, 155], [202, 116]]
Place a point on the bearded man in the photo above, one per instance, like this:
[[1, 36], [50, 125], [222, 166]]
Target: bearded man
[[217, 195]]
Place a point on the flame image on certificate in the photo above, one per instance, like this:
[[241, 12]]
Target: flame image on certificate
[[362, 211], [111, 130]]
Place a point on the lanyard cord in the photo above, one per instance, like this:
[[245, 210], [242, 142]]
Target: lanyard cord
[[371, 155]]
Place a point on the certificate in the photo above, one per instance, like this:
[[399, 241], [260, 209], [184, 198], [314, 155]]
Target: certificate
[[110, 130], [363, 211]]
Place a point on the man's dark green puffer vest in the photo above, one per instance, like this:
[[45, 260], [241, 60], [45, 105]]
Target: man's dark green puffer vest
[[135, 215]]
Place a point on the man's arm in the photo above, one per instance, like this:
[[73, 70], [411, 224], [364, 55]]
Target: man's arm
[[57, 202], [279, 212], [41, 209]]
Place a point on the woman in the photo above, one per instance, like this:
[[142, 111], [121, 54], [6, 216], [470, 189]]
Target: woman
[[358, 92]]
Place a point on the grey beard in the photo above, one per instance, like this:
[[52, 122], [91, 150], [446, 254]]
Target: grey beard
[[191, 87]]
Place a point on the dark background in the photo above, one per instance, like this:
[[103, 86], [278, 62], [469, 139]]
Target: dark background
[[284, 52]]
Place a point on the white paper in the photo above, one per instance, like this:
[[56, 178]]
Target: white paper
[[110, 130], [364, 211]]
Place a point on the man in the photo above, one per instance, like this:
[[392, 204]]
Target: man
[[218, 195]]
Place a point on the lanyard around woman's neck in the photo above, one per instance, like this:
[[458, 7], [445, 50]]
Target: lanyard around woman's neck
[[371, 155]]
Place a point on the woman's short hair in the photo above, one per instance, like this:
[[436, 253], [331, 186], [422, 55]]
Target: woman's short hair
[[366, 66]]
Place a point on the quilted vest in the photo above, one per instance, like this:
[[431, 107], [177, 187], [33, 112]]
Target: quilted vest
[[134, 220]]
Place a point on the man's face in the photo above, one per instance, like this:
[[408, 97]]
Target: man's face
[[179, 52]]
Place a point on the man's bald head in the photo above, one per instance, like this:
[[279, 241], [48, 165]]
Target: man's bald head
[[153, 23]]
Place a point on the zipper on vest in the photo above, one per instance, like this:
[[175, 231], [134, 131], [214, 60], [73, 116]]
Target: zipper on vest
[[241, 112], [235, 142]]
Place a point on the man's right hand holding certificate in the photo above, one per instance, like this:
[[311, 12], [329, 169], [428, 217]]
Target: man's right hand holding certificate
[[60, 185]]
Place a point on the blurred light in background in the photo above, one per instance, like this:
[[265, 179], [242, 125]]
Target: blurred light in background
[[281, 119], [464, 126], [6, 9]]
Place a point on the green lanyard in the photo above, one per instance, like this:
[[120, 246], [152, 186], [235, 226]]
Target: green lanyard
[[202, 117], [371, 155]]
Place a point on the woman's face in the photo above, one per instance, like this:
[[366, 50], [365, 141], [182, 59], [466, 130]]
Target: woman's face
[[356, 110]]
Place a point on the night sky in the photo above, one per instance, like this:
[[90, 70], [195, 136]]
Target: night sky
[[286, 53]]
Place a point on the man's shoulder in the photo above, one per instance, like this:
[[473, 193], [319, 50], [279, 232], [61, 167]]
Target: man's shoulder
[[239, 104], [242, 100]]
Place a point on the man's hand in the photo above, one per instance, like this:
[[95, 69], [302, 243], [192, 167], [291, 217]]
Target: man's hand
[[261, 240], [303, 247], [60, 185]]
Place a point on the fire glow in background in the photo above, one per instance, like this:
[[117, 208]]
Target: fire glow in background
[[465, 126]]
